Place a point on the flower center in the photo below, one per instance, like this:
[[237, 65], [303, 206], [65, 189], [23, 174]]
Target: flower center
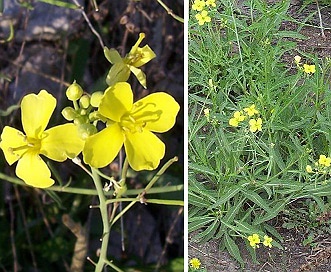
[[130, 124], [141, 114], [32, 145]]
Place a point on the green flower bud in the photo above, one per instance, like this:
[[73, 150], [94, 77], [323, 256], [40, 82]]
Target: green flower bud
[[79, 120], [96, 99], [69, 113], [86, 130], [82, 111], [84, 101], [74, 91]]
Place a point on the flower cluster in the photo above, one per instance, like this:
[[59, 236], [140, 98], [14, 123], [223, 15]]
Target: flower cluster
[[195, 263], [201, 7], [321, 166], [103, 122], [254, 240], [307, 68], [255, 123]]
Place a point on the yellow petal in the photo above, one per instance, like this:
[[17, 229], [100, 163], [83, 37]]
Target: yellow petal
[[116, 101], [61, 142], [112, 55], [119, 72], [34, 171], [36, 111], [146, 54], [11, 140], [144, 150], [101, 149], [158, 110], [140, 75]]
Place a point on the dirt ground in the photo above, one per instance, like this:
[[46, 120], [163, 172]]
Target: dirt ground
[[295, 257]]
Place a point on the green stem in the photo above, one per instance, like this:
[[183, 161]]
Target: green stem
[[147, 188], [105, 221], [170, 12], [83, 191], [154, 201]]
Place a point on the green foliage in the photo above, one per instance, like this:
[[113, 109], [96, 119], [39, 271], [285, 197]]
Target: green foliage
[[239, 180]]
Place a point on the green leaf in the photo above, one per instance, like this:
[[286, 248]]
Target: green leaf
[[202, 169], [226, 196], [255, 198], [60, 4], [208, 233], [244, 227], [199, 222], [233, 249], [276, 209]]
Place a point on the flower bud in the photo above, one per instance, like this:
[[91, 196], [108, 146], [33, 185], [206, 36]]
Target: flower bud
[[79, 120], [69, 113], [84, 101], [74, 91], [96, 99], [86, 130]]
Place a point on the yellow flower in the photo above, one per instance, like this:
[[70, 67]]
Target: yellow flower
[[131, 124], [207, 113], [255, 125], [57, 143], [203, 17], [198, 5], [122, 67], [210, 3], [267, 241], [309, 169], [251, 110], [309, 69], [237, 118], [254, 240], [195, 263], [323, 160], [297, 60]]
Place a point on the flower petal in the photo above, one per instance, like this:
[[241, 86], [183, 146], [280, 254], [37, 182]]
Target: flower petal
[[144, 150], [11, 139], [119, 72], [61, 142], [146, 54], [34, 171], [101, 149], [140, 75], [112, 55], [36, 111], [117, 100], [159, 111]]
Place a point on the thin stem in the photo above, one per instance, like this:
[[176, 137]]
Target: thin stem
[[89, 23], [154, 201], [320, 18], [170, 12], [105, 221], [83, 191], [147, 188]]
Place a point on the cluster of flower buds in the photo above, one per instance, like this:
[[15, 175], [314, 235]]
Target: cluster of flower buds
[[83, 113]]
